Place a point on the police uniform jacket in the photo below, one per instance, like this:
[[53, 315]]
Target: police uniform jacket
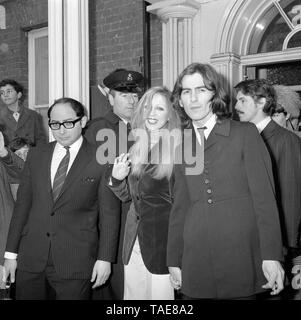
[[112, 289]]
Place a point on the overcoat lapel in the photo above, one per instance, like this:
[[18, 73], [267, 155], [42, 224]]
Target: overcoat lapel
[[269, 130], [192, 150], [10, 122], [216, 141], [45, 163], [23, 118]]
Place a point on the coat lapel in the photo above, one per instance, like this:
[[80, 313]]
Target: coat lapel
[[221, 128], [10, 122], [216, 141], [269, 130], [23, 117], [46, 157]]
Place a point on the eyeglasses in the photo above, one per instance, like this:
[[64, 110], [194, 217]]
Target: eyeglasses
[[9, 91], [67, 124]]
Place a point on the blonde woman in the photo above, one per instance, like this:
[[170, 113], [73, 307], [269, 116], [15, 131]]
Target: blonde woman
[[144, 177]]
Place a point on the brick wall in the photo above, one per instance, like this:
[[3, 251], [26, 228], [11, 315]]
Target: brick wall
[[116, 39], [21, 16], [156, 50]]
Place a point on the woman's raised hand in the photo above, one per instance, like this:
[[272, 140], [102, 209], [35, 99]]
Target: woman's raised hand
[[121, 167]]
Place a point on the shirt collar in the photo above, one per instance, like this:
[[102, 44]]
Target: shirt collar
[[74, 146], [125, 121], [263, 123], [209, 124]]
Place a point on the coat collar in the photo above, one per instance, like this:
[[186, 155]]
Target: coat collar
[[269, 130], [112, 117], [9, 119], [221, 128]]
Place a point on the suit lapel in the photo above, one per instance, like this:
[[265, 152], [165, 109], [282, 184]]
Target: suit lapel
[[23, 117], [46, 157], [84, 156]]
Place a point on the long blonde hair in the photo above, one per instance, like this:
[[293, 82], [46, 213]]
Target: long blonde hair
[[164, 152]]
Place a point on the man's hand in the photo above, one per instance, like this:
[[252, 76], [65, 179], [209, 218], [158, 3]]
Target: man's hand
[[3, 151], [10, 266], [101, 273], [175, 277], [274, 273]]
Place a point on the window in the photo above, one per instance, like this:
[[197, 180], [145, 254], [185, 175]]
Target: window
[[38, 72], [278, 29]]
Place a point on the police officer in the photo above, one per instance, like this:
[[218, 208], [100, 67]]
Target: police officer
[[123, 89]]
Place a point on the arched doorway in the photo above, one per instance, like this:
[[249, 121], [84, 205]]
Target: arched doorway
[[261, 39]]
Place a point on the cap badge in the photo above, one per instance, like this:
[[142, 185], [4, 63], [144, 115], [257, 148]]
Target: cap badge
[[130, 77]]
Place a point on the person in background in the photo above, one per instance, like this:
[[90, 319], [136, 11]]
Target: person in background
[[288, 106], [17, 120], [148, 170], [123, 88], [11, 167], [20, 147], [256, 103], [224, 239]]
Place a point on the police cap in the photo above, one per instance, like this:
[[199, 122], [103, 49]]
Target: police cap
[[124, 80]]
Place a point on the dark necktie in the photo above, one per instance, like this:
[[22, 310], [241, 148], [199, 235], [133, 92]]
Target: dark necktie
[[201, 132], [60, 175], [128, 127]]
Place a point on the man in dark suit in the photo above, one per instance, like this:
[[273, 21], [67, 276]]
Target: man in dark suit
[[16, 120], [224, 237], [123, 88], [256, 103], [62, 236]]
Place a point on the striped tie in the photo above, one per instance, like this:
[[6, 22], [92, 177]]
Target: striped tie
[[60, 175], [201, 132]]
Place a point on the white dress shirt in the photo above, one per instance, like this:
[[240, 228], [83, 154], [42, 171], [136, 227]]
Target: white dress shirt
[[209, 124], [263, 123], [58, 154]]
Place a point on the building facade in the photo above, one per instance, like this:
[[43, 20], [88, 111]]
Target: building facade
[[66, 47]]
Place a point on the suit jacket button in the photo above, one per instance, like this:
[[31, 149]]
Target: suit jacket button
[[209, 201], [52, 213], [206, 171], [48, 234], [209, 191], [207, 181]]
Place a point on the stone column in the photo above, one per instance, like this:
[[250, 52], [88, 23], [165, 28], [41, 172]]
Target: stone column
[[180, 24], [229, 65]]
